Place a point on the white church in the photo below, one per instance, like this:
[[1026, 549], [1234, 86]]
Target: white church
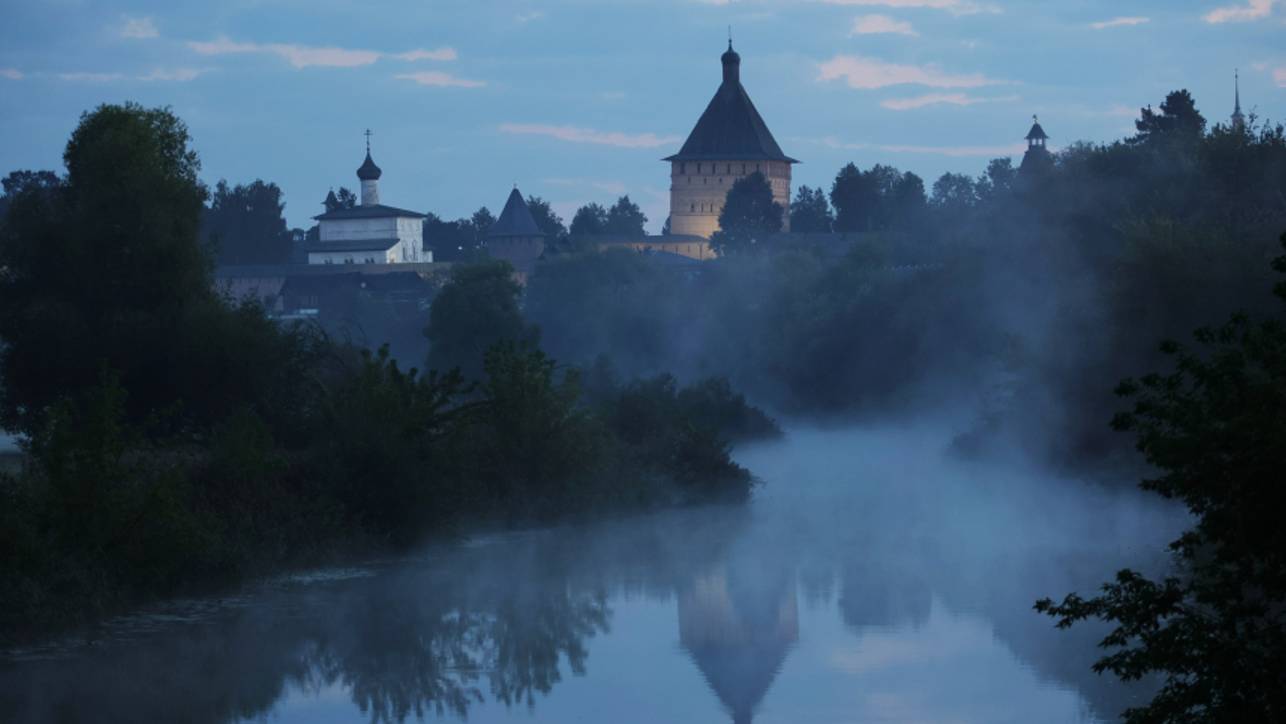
[[370, 233]]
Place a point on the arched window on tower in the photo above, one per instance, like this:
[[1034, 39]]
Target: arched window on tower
[[694, 208]]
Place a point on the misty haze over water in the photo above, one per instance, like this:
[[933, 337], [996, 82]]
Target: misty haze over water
[[873, 578]]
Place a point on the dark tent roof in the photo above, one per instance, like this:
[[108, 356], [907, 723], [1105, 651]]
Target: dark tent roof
[[368, 171], [1036, 133], [374, 211], [731, 129], [330, 202], [516, 219]]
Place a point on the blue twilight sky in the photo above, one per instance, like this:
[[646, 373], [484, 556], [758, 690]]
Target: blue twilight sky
[[577, 100]]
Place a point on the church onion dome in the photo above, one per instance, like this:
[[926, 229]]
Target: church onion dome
[[516, 219], [1036, 133], [730, 57], [369, 171], [731, 129]]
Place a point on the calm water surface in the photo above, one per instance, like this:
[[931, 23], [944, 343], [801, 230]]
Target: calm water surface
[[872, 579]]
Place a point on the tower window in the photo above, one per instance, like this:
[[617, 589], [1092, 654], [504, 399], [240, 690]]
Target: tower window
[[694, 208], [743, 168], [698, 168], [729, 170], [683, 168]]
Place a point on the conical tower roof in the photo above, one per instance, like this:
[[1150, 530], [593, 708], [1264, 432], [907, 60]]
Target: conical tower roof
[[731, 128], [516, 219], [1036, 133]]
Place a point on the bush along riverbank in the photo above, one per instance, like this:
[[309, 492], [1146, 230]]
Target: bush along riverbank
[[176, 440]]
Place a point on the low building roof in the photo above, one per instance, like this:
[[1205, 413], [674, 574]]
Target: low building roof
[[372, 211], [352, 245]]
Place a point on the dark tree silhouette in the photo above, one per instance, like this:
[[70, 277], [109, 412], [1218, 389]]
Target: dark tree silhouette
[[1179, 118], [476, 309], [854, 199], [1215, 628], [548, 221], [626, 219], [590, 220], [810, 212], [749, 216], [244, 224]]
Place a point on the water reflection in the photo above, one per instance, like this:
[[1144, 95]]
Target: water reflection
[[899, 595]]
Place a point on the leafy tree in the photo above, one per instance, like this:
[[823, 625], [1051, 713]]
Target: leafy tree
[[749, 216], [346, 199], [810, 212], [590, 220], [1216, 628], [626, 219], [1179, 118], [110, 276], [997, 180], [20, 182], [482, 221], [476, 309], [548, 221], [908, 201], [855, 200], [954, 194], [245, 224]]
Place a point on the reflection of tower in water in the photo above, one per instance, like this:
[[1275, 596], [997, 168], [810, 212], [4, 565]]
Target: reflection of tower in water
[[738, 626]]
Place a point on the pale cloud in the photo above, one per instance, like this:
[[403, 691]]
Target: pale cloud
[[435, 54], [952, 151], [438, 79], [138, 29], [573, 134], [879, 24], [180, 75], [1251, 10], [1279, 76], [869, 73], [92, 77], [931, 99], [1119, 22], [524, 18], [173, 74], [304, 56], [955, 7], [10, 73]]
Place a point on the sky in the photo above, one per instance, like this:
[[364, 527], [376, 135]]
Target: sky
[[578, 100]]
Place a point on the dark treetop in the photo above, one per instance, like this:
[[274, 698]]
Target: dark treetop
[[731, 128]]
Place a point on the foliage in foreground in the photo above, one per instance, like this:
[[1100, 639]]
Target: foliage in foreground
[[1215, 628]]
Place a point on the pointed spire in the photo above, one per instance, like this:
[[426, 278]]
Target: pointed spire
[[1238, 119]]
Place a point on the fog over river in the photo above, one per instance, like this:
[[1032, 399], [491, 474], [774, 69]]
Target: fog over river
[[873, 578]]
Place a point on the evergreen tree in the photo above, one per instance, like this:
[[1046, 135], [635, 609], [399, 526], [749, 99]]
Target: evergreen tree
[[810, 212]]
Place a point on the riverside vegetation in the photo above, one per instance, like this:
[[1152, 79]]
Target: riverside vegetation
[[177, 438]]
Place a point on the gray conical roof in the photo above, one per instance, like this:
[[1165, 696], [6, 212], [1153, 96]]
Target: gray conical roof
[[731, 129], [1036, 133], [516, 219]]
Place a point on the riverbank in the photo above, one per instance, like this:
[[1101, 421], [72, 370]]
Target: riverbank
[[99, 520]]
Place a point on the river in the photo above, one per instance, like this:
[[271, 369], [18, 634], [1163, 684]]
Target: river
[[872, 579]]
